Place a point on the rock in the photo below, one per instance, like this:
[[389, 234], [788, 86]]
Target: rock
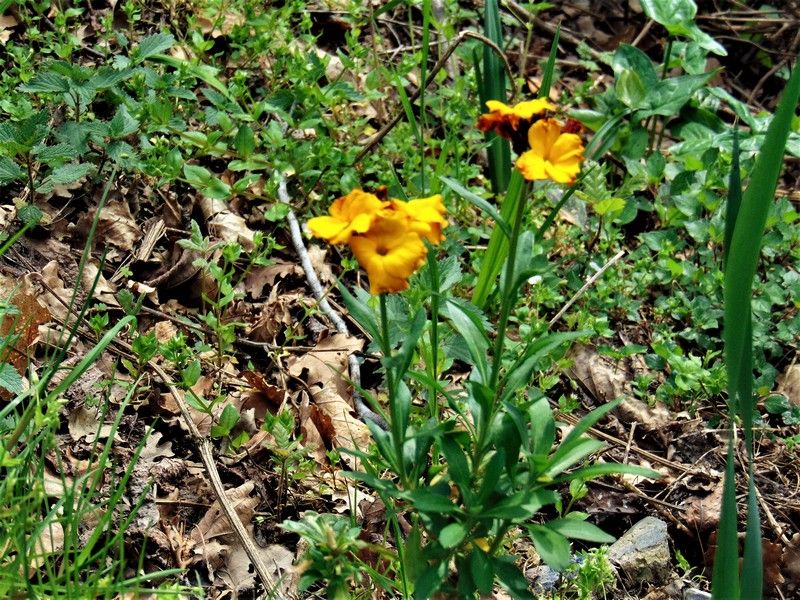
[[642, 554], [544, 579], [695, 594]]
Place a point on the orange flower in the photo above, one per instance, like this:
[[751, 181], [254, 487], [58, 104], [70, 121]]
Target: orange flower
[[350, 214], [390, 252], [426, 216], [505, 120], [553, 154]]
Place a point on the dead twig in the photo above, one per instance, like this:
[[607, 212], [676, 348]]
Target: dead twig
[[375, 139], [207, 456], [364, 411]]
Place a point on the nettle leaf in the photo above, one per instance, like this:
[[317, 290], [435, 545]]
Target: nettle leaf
[[123, 124], [10, 379], [57, 153], [107, 77], [71, 173], [46, 82], [9, 170], [152, 45]]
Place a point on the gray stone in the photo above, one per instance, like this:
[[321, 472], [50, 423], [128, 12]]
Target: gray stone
[[642, 554], [544, 579], [695, 594]]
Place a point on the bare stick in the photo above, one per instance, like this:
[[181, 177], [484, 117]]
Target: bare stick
[[364, 411], [586, 286], [207, 456], [373, 141]]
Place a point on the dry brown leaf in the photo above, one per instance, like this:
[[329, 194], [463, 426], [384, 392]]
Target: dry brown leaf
[[773, 561], [327, 362], [321, 267], [261, 277], [336, 424], [702, 513], [789, 384], [117, 227], [275, 316], [215, 524], [607, 379], [84, 422], [221, 24], [49, 541], [104, 291], [25, 324], [224, 224], [791, 558], [239, 575], [312, 438], [7, 22]]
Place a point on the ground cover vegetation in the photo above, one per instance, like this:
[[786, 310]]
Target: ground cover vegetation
[[397, 299]]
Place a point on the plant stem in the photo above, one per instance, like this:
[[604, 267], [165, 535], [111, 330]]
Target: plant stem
[[395, 423], [507, 301], [433, 268]]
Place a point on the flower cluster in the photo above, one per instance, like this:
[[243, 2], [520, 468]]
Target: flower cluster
[[386, 236], [547, 149]]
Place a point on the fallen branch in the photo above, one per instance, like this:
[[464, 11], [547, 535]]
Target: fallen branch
[[207, 457], [363, 411]]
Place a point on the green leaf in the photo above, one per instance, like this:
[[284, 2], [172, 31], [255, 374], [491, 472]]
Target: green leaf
[[429, 501], [452, 535], [677, 16], [496, 252], [580, 530], [361, 312], [190, 374], [630, 89], [9, 170], [457, 465], [629, 58], [245, 141], [71, 173], [482, 570], [473, 334], [551, 546], [123, 124], [152, 45], [46, 82], [10, 379], [512, 579], [725, 577], [478, 202], [227, 421]]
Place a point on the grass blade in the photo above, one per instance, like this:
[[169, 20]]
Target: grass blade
[[497, 250], [492, 86], [734, 197], [725, 577], [550, 66]]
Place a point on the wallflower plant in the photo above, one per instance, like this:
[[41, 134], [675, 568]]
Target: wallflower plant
[[461, 469]]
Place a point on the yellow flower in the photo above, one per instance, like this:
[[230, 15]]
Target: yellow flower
[[350, 214], [552, 155], [426, 216], [505, 120], [390, 252]]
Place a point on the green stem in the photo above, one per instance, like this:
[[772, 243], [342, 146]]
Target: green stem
[[433, 268], [395, 422], [507, 300]]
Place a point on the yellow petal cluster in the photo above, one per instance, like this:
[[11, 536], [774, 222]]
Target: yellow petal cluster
[[554, 154], [386, 236]]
